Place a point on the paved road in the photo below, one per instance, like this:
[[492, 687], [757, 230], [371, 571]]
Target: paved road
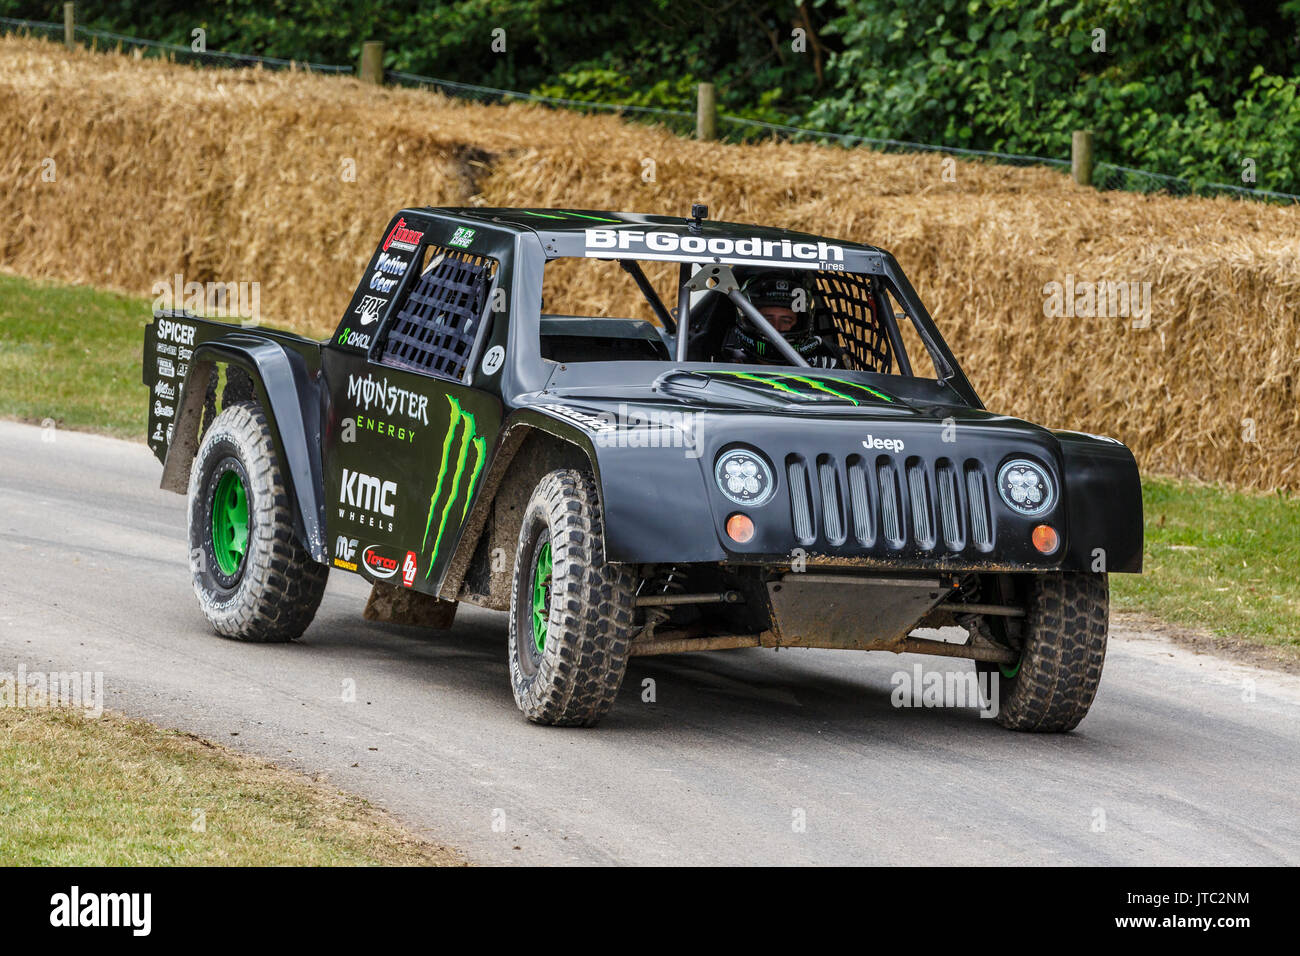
[[1174, 765]]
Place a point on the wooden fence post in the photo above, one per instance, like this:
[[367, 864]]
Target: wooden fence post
[[372, 62], [706, 113], [70, 25], [1081, 157]]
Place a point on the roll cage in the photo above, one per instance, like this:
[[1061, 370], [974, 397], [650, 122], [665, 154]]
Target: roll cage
[[502, 307]]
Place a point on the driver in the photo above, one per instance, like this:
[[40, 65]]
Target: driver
[[785, 299]]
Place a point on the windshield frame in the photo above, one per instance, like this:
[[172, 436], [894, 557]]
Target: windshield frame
[[670, 322], [532, 371]]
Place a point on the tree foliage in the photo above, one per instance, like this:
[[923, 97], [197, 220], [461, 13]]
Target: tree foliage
[[1185, 87]]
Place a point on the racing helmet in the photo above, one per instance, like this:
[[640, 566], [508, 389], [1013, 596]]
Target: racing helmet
[[785, 288]]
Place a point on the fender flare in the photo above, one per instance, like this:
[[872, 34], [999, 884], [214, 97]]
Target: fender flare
[[1103, 491], [515, 430], [292, 402]]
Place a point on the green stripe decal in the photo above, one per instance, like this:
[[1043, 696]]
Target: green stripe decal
[[771, 380], [442, 468], [821, 387], [583, 215], [576, 215], [480, 453], [749, 376], [455, 489], [461, 432], [866, 388]]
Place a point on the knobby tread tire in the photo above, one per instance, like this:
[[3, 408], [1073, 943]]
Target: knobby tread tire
[[1066, 625], [281, 585], [579, 673]]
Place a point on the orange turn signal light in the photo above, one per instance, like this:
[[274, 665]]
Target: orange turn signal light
[[1045, 538], [740, 528]]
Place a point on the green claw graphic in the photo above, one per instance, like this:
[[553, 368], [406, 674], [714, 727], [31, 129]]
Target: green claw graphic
[[772, 380], [462, 434]]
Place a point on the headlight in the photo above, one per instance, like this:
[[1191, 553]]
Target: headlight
[[745, 477], [1026, 487]]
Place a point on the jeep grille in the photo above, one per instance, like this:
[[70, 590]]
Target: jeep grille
[[935, 506]]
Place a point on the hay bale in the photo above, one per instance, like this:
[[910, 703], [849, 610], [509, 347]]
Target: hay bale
[[237, 176]]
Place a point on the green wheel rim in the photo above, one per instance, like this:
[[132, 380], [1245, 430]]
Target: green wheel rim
[[542, 596], [229, 522]]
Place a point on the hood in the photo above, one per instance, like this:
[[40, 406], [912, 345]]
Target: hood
[[752, 398], [701, 386]]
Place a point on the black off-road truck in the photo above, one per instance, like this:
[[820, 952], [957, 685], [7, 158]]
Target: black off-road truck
[[692, 476]]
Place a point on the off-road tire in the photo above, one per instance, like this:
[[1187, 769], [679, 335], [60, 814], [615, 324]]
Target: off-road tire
[[1064, 631], [275, 591], [574, 679]]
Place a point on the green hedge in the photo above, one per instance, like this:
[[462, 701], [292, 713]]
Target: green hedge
[[1187, 88]]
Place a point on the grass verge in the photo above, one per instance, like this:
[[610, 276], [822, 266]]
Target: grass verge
[[71, 354], [1221, 560], [113, 791], [1216, 559]]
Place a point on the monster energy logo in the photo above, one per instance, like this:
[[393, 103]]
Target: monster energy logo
[[777, 381], [461, 434]]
